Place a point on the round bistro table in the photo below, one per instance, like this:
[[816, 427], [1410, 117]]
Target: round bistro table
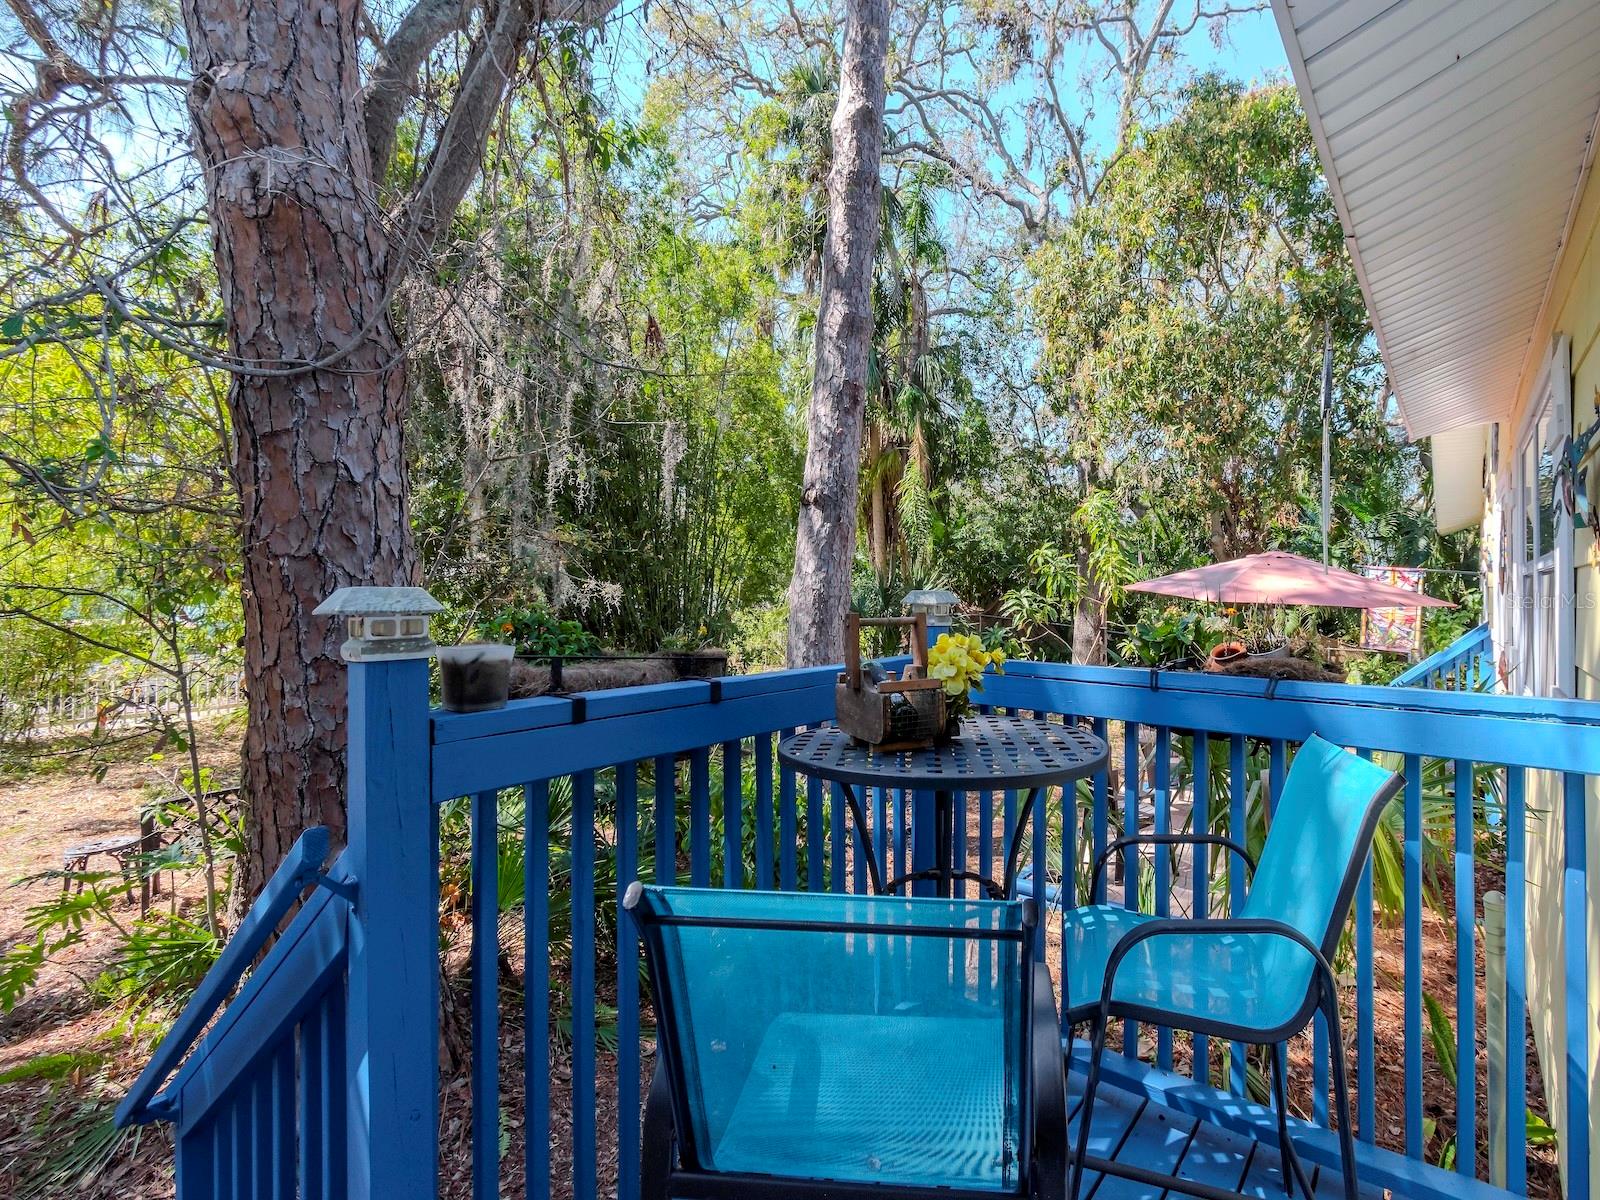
[[993, 753]]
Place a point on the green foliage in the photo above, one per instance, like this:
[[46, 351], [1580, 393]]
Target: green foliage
[[759, 639], [1183, 317], [53, 1066], [80, 1140], [1173, 637], [607, 431], [52, 927], [159, 961], [535, 630]]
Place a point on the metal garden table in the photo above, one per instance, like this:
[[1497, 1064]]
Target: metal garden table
[[993, 753]]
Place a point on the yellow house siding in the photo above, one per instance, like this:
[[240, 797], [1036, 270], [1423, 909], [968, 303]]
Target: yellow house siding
[[1574, 310]]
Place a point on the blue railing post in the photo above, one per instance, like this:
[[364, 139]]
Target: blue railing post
[[938, 605], [393, 999]]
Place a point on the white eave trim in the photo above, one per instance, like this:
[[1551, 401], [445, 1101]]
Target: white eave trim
[[1302, 83]]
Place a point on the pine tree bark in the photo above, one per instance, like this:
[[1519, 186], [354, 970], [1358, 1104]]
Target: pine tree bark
[[318, 458], [877, 504], [825, 539], [291, 143]]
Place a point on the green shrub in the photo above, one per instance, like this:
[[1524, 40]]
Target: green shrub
[[536, 630]]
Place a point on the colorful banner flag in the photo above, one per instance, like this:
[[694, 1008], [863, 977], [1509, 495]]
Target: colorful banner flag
[[1393, 630]]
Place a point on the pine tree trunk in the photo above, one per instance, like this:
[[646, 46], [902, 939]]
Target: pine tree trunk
[[878, 530], [318, 456], [825, 540], [1088, 616]]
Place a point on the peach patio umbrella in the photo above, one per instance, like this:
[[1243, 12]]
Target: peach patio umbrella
[[1277, 577]]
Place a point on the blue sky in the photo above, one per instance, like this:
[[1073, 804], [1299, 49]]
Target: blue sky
[[1251, 52], [1254, 52]]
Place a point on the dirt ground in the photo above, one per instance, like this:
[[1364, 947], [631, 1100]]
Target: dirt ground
[[71, 796], [40, 1116]]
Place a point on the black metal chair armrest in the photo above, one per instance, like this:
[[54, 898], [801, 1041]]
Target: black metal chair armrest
[[1192, 927], [1168, 839], [991, 889]]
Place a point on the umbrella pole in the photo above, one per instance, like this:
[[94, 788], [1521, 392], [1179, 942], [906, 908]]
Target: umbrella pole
[[1327, 431]]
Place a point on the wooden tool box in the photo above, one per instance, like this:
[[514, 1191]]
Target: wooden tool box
[[888, 713]]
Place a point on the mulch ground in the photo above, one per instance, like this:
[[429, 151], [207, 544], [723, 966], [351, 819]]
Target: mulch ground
[[40, 1117]]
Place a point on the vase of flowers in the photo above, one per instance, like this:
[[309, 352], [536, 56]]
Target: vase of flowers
[[958, 661]]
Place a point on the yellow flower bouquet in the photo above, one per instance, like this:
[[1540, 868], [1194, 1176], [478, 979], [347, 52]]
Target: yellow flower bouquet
[[958, 660]]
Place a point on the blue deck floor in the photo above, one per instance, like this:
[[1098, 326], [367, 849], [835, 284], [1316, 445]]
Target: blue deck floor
[[1134, 1129]]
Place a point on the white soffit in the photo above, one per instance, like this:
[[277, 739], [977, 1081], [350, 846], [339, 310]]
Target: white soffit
[[1458, 478], [1456, 135]]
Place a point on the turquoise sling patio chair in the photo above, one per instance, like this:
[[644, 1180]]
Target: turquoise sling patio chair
[[848, 1048], [1259, 977]]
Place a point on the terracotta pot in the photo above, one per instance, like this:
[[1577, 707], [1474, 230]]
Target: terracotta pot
[[1227, 652]]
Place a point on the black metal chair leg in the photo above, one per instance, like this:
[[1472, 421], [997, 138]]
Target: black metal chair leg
[[1288, 1159], [656, 1142], [1341, 1095], [1050, 1092], [1097, 1045]]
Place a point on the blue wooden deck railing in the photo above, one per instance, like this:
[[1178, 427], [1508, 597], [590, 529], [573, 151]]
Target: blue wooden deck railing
[[1466, 664], [260, 1103], [685, 775]]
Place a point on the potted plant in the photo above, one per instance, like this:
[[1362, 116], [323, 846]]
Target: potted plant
[[958, 660], [475, 676]]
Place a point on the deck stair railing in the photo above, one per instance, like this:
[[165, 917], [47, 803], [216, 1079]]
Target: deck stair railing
[[258, 1105], [1466, 664], [679, 782]]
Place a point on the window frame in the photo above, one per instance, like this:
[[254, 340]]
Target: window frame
[[1544, 632]]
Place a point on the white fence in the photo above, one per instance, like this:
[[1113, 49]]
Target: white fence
[[112, 703]]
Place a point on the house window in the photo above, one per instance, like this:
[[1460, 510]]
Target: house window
[[1543, 625]]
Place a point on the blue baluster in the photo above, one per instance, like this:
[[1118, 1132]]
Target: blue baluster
[[1366, 1049], [536, 986], [732, 815], [1130, 857], [764, 878], [1200, 822], [1162, 803], [1516, 981], [584, 1167], [1413, 955], [1466, 975], [700, 817], [627, 985], [1575, 944], [1239, 824], [485, 1001]]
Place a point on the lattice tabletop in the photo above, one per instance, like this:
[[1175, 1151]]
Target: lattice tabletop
[[992, 753]]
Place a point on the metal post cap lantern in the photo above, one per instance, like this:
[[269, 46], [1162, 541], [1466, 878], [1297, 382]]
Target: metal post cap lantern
[[383, 622], [937, 604]]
